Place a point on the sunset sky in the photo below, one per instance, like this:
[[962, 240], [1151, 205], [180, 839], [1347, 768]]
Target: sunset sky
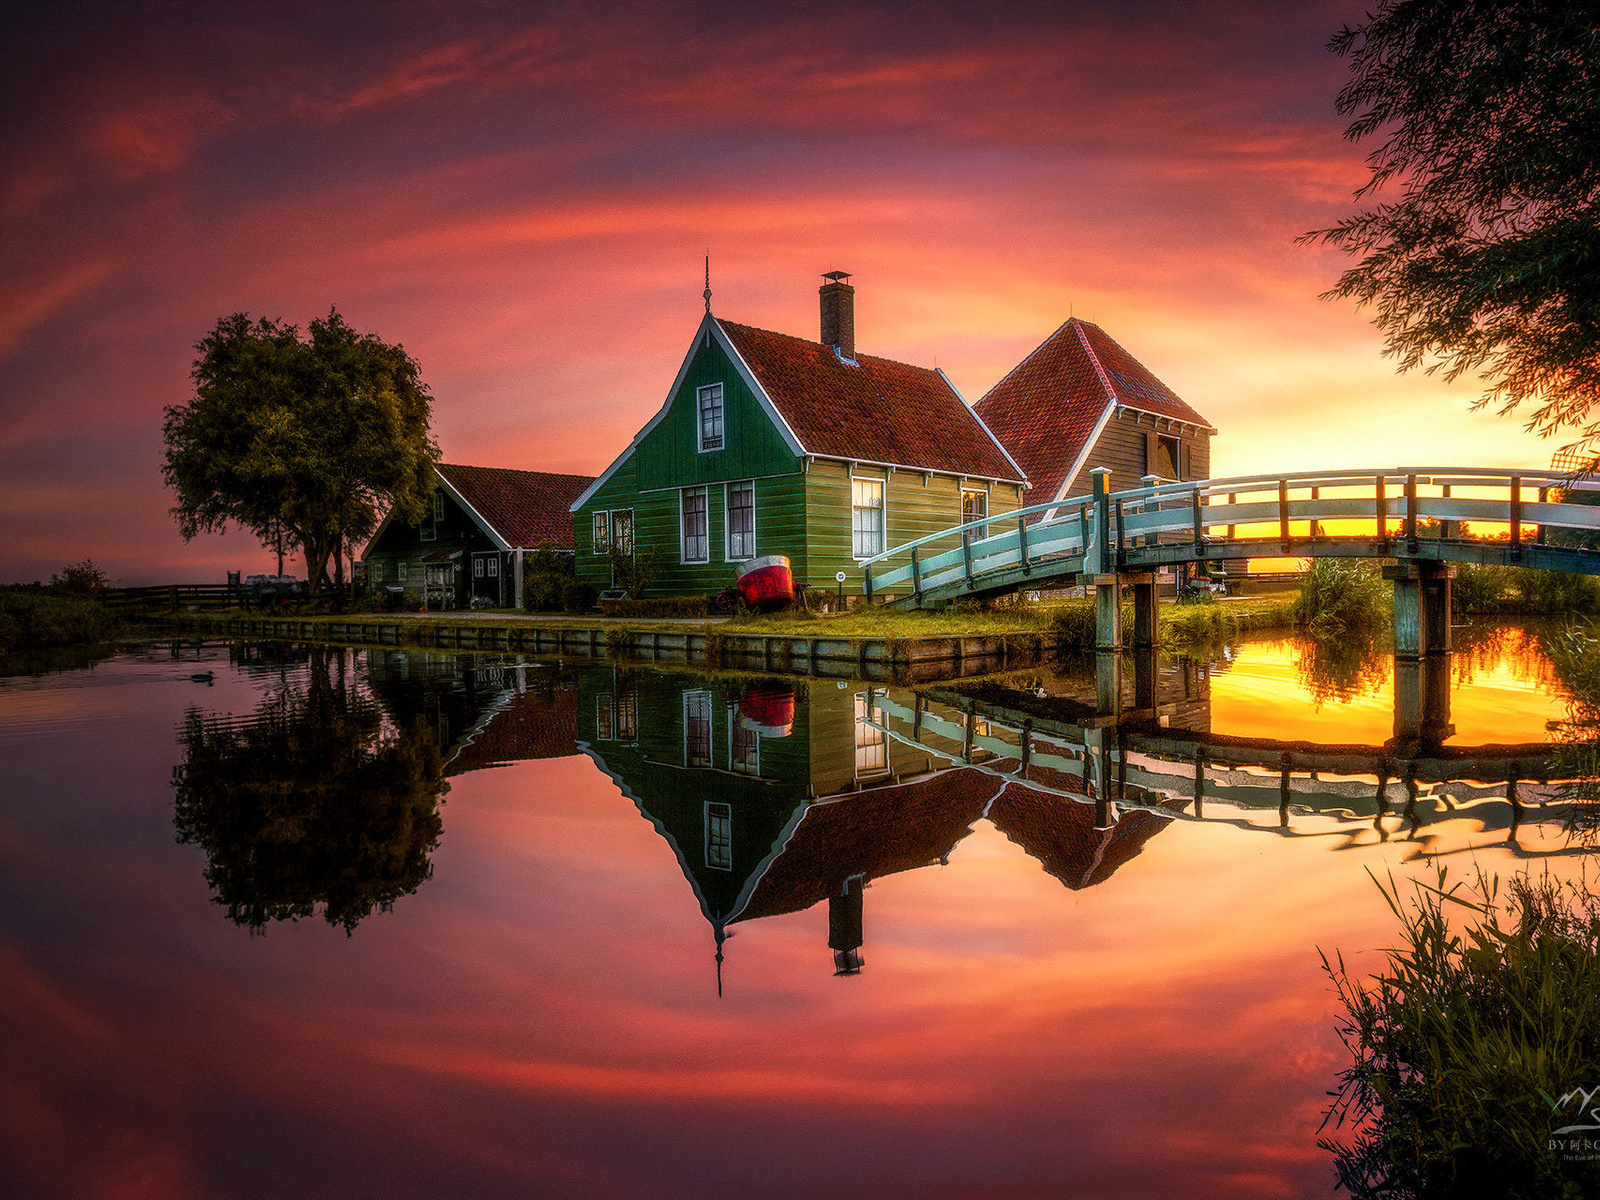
[[523, 195]]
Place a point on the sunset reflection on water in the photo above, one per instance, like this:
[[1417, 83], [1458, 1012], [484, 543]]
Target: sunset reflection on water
[[541, 1016]]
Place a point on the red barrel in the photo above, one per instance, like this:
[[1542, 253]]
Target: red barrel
[[767, 583], [768, 708]]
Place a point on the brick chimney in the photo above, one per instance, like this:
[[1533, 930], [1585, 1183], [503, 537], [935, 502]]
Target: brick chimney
[[839, 314]]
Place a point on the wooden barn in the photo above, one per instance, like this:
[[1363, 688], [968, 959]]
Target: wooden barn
[[471, 543], [773, 444], [1081, 401]]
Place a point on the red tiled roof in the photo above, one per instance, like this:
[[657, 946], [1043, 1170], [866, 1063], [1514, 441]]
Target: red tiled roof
[[874, 833], [1061, 834], [1046, 409], [534, 724], [875, 411], [526, 508]]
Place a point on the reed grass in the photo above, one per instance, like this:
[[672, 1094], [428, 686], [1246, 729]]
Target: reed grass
[[1338, 594], [1467, 1045]]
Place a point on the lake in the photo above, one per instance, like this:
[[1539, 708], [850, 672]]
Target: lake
[[293, 921]]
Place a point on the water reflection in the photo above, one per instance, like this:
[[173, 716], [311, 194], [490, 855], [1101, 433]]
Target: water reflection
[[776, 795]]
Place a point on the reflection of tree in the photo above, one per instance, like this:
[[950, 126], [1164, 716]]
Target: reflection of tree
[[314, 799], [1575, 655], [1353, 663]]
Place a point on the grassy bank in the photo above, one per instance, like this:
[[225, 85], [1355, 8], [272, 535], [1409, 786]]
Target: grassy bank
[[32, 618]]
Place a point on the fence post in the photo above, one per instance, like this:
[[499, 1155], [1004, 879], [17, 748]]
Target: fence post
[[1382, 510], [1121, 536], [1411, 512], [966, 554], [1283, 515], [1516, 517], [916, 574], [1199, 529], [866, 569], [1022, 545]]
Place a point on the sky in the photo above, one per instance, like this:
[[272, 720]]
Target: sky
[[523, 195]]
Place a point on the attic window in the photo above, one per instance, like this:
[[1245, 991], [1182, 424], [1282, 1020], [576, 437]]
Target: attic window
[[710, 408], [1162, 456]]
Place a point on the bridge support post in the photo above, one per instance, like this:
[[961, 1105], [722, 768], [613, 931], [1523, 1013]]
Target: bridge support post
[[1108, 683], [1146, 683], [1107, 612], [1421, 651], [1146, 628]]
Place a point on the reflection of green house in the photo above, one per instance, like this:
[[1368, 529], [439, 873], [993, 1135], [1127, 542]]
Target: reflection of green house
[[771, 444], [764, 824]]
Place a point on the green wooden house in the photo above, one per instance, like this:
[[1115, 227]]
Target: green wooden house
[[772, 444]]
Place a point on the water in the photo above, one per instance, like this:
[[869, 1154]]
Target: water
[[340, 923]]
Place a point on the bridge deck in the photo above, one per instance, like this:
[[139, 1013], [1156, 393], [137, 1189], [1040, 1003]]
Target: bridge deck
[[1517, 517]]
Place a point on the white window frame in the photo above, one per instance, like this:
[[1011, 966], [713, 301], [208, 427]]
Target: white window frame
[[683, 537], [966, 490], [738, 734], [872, 741], [883, 516], [727, 521], [438, 506], [600, 523], [713, 393], [614, 540], [401, 568], [696, 702]]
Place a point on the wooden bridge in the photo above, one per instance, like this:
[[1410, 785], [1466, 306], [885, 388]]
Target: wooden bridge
[[1415, 515]]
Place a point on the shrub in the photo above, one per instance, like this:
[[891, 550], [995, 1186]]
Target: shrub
[[31, 618], [545, 576], [635, 571], [1468, 1046], [80, 579], [1480, 588], [1342, 593], [577, 597]]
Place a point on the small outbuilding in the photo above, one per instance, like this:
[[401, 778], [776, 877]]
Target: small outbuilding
[[1081, 401], [470, 545]]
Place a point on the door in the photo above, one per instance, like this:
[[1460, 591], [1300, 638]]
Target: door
[[486, 580]]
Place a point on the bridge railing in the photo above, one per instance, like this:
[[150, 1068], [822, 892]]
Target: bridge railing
[[1286, 508]]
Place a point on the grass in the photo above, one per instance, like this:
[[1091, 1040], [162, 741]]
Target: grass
[[1467, 1046], [32, 618], [1338, 594], [1521, 590]]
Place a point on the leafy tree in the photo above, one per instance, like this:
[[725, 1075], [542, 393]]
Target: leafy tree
[[305, 437], [1488, 259]]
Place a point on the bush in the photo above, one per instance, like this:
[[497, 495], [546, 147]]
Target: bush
[[1342, 593], [546, 574], [1480, 588], [577, 597], [80, 579], [1499, 589], [1467, 1048], [32, 618]]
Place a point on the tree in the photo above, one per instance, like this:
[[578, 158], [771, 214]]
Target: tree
[[1489, 258], [305, 437]]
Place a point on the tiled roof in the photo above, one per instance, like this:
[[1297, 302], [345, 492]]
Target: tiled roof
[[526, 508], [873, 833], [1061, 834], [1046, 409], [875, 411], [542, 723]]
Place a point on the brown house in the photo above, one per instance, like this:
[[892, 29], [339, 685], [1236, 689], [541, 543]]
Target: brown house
[[1081, 401]]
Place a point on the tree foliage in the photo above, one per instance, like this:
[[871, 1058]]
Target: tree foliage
[[312, 435], [1487, 259]]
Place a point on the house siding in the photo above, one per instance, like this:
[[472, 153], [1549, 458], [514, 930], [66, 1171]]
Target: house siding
[[402, 542], [916, 504], [1123, 446]]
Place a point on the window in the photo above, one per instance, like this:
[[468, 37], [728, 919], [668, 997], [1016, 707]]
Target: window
[[744, 746], [872, 740], [866, 517], [719, 836], [710, 408], [697, 729], [604, 717], [696, 543], [622, 530], [974, 507], [628, 715], [1162, 456], [438, 506], [741, 521], [402, 572], [477, 568], [491, 567], [602, 536]]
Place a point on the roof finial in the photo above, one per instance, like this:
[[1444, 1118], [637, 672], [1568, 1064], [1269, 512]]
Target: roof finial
[[708, 283]]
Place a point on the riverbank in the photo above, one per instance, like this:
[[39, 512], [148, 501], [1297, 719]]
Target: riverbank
[[871, 643]]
